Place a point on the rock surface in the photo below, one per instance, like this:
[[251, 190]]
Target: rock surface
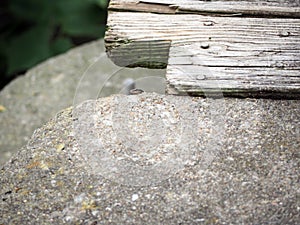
[[33, 99], [154, 159]]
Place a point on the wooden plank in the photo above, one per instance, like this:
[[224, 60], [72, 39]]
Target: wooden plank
[[260, 8], [242, 56], [279, 3]]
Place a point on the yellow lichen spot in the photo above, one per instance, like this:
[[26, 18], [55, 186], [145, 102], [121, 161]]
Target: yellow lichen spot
[[61, 171], [60, 183], [38, 164], [17, 189], [34, 164], [21, 176], [24, 192], [88, 205], [60, 147], [44, 165], [2, 108]]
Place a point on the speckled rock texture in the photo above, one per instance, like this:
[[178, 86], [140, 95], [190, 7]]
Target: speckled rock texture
[[31, 100], [155, 159]]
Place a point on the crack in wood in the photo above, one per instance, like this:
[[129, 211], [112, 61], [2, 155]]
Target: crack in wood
[[141, 6]]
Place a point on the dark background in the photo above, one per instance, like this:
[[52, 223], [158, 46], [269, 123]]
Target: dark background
[[34, 30]]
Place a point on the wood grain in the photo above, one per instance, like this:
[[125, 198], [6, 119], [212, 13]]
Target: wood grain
[[269, 8], [245, 55]]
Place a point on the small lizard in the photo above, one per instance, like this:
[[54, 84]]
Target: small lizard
[[136, 91], [130, 89]]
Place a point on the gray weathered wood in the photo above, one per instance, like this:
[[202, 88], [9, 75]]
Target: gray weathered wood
[[284, 8], [238, 55]]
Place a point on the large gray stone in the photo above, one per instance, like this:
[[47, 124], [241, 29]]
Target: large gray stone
[[51, 86], [154, 159]]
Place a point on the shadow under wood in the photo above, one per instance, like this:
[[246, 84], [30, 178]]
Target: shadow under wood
[[152, 54]]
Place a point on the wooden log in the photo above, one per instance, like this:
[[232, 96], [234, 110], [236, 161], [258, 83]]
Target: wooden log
[[239, 48]]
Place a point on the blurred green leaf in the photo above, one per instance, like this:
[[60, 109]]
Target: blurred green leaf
[[81, 18], [60, 45], [82, 28], [37, 11], [33, 30], [102, 3], [29, 48], [3, 59]]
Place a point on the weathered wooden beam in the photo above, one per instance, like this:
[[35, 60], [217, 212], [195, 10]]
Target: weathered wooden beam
[[266, 8], [241, 56]]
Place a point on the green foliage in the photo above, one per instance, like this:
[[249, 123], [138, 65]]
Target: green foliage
[[33, 30], [28, 48]]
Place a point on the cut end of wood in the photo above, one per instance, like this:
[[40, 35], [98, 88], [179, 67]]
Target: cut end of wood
[[151, 54]]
